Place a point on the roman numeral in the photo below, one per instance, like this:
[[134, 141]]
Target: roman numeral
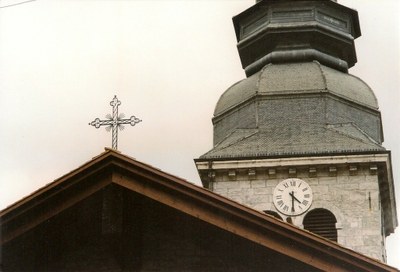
[[286, 185], [307, 195], [279, 197], [293, 183], [305, 202], [305, 189], [280, 203], [286, 208]]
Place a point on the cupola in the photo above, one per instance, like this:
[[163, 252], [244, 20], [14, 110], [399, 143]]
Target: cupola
[[285, 31]]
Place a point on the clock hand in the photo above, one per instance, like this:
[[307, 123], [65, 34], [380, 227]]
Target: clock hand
[[293, 197]]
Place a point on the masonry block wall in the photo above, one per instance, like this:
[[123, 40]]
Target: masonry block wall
[[350, 192]]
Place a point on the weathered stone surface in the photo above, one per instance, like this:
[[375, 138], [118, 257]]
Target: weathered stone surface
[[353, 199], [257, 183]]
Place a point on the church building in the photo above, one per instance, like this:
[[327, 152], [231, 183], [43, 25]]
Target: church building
[[115, 213], [297, 178], [300, 138]]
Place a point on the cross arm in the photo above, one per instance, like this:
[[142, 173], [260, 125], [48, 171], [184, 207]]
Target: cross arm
[[132, 121], [97, 122]]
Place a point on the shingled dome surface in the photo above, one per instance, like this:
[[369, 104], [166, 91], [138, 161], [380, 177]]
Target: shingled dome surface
[[296, 109], [297, 78]]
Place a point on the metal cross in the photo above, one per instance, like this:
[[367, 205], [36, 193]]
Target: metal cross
[[115, 122]]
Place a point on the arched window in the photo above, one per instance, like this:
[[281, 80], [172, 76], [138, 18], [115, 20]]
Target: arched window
[[274, 214], [321, 222]]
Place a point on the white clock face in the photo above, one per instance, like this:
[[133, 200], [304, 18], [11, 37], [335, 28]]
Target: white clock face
[[292, 196]]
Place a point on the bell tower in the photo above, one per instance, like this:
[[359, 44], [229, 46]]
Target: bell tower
[[300, 138]]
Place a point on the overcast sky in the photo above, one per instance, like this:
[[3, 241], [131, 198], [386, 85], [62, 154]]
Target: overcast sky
[[61, 63]]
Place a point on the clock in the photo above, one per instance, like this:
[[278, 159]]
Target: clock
[[292, 196]]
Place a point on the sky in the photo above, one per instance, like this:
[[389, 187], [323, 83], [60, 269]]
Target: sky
[[62, 62]]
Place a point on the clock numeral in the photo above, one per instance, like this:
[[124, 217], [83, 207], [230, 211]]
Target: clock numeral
[[307, 196], [279, 197], [305, 189], [280, 203], [293, 183], [286, 208], [305, 202], [301, 208], [299, 185], [286, 185]]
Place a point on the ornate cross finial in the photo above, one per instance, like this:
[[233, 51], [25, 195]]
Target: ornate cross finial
[[115, 121]]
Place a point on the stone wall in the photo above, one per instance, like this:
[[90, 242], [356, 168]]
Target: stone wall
[[350, 192]]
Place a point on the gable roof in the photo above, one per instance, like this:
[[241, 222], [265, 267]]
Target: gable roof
[[112, 167]]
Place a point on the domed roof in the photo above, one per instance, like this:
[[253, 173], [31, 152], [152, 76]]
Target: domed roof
[[297, 78]]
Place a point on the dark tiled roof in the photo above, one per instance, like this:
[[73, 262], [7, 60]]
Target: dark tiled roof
[[296, 78], [303, 139]]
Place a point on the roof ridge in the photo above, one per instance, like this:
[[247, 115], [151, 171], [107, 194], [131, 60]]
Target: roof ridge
[[220, 142], [238, 140], [372, 142], [365, 134], [322, 73]]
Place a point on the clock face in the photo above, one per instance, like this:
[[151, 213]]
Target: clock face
[[292, 196]]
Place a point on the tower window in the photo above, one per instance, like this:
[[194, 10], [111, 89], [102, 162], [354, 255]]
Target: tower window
[[321, 222]]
